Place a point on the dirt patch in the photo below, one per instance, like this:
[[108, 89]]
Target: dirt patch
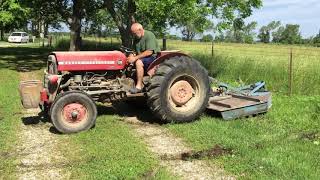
[[37, 152], [310, 136], [214, 152], [172, 150]]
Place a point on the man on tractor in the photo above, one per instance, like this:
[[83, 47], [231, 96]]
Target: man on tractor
[[147, 48]]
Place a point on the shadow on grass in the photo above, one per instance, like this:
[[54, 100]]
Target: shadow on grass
[[121, 109], [23, 59], [33, 120]]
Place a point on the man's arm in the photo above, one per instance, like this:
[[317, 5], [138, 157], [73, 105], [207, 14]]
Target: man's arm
[[146, 53]]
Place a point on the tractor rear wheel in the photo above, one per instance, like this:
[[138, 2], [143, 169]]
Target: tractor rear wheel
[[72, 112], [179, 90]]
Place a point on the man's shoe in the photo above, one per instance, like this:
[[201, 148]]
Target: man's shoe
[[135, 90]]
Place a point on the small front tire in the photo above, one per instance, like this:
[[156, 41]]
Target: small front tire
[[73, 112]]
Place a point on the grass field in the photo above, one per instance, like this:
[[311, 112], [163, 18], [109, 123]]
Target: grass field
[[9, 120], [258, 62], [283, 144]]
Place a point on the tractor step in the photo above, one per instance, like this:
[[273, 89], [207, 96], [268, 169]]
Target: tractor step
[[233, 103]]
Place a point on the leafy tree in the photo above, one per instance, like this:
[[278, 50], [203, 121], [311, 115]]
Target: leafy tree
[[191, 18], [266, 31], [316, 40], [42, 15], [159, 14], [291, 34], [191, 29], [240, 33], [12, 15], [277, 34], [207, 38], [173, 37], [220, 37], [100, 23], [229, 12], [122, 12], [264, 34], [249, 33], [229, 36], [73, 12]]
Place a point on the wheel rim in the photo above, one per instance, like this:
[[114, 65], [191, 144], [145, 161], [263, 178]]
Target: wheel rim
[[181, 92], [74, 113], [184, 93]]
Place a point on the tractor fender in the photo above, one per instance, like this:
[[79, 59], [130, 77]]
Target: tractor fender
[[164, 55]]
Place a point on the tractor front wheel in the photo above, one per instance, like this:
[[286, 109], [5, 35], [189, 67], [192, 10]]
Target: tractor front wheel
[[73, 112], [179, 90]]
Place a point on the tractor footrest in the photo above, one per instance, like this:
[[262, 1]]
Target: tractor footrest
[[233, 106]]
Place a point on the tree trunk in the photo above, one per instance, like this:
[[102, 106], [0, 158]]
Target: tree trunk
[[123, 26], [46, 29], [75, 26], [126, 38], [75, 39], [2, 34]]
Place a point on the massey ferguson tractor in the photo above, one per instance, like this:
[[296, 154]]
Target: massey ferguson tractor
[[176, 88]]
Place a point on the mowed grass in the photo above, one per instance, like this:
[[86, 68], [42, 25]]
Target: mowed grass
[[9, 120], [284, 143], [108, 151], [13, 58]]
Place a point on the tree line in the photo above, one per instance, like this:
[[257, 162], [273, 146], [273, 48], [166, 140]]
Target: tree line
[[104, 17], [274, 32], [101, 16]]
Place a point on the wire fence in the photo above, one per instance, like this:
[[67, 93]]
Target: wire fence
[[287, 69]]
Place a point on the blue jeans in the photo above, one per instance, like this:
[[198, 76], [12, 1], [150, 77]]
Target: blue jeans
[[147, 61]]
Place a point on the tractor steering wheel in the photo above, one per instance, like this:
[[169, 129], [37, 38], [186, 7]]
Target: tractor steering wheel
[[127, 50]]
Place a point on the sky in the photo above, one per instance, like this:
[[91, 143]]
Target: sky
[[306, 13]]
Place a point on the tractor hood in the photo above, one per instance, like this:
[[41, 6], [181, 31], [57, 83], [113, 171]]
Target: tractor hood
[[90, 60]]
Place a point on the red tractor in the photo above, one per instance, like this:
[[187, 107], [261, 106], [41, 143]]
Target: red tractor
[[176, 87]]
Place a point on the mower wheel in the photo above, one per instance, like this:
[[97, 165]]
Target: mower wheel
[[72, 112], [179, 90]]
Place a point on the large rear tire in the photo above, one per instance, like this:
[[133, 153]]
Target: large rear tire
[[72, 112], [179, 90]]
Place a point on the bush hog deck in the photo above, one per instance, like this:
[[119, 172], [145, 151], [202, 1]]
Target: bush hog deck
[[176, 88]]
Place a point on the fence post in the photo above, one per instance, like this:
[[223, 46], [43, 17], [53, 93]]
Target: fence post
[[212, 49], [49, 41], [164, 44], [291, 73]]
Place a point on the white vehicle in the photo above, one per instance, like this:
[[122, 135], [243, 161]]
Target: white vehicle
[[19, 37]]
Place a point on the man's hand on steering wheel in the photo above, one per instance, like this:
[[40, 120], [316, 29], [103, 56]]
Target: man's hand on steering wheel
[[131, 59]]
